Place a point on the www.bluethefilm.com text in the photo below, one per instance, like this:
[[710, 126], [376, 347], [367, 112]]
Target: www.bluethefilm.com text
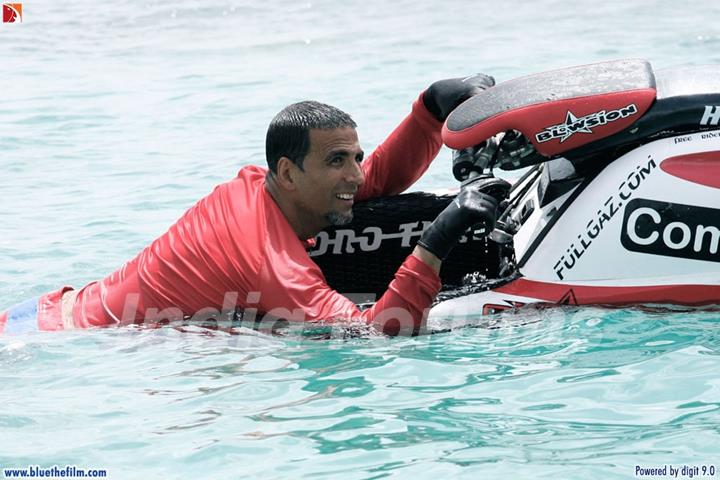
[[68, 471]]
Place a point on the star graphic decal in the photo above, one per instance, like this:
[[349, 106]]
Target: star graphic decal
[[572, 120]]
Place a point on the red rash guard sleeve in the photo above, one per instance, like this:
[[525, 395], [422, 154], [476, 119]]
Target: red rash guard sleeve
[[404, 156]]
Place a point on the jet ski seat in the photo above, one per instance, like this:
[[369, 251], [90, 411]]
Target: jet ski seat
[[557, 111], [584, 112]]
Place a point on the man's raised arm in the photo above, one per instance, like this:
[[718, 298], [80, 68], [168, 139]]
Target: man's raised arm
[[407, 152]]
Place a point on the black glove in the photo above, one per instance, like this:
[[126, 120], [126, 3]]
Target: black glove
[[476, 203], [443, 96]]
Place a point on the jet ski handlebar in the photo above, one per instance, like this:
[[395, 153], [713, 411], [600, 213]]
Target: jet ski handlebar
[[508, 151]]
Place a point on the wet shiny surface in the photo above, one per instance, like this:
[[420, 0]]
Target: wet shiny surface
[[116, 118]]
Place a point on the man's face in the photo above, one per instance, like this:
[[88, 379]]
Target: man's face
[[332, 176]]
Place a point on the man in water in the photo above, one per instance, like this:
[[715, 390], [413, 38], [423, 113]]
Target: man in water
[[244, 246]]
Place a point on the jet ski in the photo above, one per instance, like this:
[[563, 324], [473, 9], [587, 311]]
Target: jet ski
[[619, 203]]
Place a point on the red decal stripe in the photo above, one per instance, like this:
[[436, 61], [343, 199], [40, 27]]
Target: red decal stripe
[[702, 168], [589, 295]]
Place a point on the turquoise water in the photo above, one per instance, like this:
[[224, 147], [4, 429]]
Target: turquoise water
[[116, 118]]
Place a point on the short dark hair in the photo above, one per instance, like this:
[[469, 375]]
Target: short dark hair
[[289, 132]]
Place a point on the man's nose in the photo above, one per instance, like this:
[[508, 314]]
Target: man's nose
[[356, 174]]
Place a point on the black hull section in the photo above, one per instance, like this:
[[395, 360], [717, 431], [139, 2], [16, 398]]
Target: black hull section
[[362, 257]]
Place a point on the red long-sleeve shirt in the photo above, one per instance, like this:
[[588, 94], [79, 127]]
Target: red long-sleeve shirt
[[235, 248]]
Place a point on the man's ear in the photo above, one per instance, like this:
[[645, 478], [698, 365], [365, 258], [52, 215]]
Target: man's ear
[[287, 173]]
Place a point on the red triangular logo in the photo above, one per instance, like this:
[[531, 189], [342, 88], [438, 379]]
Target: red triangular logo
[[568, 298]]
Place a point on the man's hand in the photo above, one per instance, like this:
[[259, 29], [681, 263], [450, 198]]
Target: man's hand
[[443, 96], [476, 204]]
